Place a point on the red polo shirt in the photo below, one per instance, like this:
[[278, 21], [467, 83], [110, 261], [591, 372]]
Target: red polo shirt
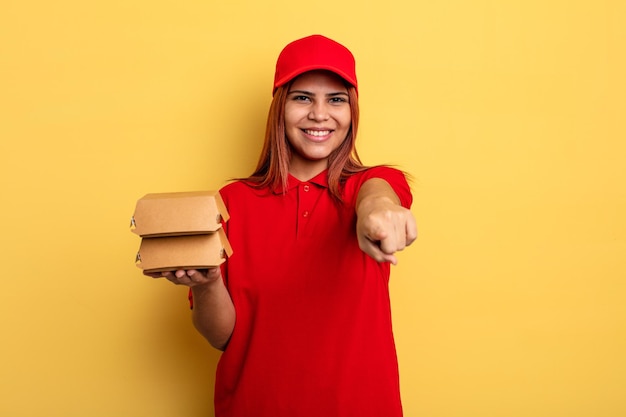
[[313, 334]]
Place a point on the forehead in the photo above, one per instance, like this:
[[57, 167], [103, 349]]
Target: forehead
[[319, 79]]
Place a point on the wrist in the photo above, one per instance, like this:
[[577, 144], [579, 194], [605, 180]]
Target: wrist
[[204, 288], [370, 202]]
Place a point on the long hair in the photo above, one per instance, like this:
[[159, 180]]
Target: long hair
[[273, 166]]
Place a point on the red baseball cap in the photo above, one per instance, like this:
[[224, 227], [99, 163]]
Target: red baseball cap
[[315, 52]]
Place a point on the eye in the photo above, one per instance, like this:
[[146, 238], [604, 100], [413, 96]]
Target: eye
[[338, 100], [301, 98]]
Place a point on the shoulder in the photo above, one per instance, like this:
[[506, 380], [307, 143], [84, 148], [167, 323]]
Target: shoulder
[[385, 172], [394, 177], [233, 187], [240, 189]]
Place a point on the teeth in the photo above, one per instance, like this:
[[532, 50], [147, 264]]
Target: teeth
[[317, 132]]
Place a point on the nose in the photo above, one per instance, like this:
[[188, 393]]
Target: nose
[[319, 111]]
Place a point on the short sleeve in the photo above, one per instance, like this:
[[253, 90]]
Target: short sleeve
[[394, 177]]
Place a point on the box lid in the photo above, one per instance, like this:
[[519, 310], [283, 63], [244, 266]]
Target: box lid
[[182, 213], [171, 253]]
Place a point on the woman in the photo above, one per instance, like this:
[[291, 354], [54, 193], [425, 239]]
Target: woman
[[301, 310]]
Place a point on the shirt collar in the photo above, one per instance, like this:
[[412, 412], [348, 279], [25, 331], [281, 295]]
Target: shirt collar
[[320, 180]]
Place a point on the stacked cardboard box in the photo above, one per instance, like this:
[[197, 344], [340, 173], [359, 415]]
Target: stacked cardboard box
[[180, 231]]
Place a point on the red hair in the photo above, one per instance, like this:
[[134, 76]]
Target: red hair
[[273, 167]]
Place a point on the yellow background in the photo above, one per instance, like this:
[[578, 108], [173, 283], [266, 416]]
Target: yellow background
[[509, 114]]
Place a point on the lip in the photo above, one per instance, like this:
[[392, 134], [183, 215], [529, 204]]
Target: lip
[[317, 134]]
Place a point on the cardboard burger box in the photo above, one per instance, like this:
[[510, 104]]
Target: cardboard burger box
[[177, 214], [170, 253], [180, 231]]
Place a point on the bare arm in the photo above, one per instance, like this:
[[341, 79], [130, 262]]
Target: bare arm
[[213, 310], [383, 225]]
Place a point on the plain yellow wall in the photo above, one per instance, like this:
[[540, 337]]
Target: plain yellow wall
[[509, 114]]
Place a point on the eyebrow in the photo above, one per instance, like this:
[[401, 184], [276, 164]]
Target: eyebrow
[[339, 93]]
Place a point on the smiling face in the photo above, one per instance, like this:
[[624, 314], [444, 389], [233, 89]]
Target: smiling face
[[317, 121]]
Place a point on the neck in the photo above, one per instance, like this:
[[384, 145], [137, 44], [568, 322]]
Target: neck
[[305, 170]]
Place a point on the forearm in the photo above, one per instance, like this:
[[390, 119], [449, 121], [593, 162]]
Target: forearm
[[373, 190], [213, 313]]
